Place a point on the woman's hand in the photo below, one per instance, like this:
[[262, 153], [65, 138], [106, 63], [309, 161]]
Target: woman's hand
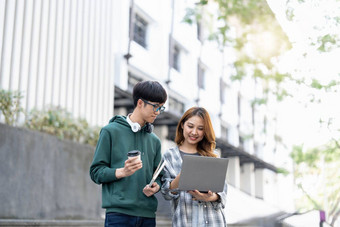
[[206, 197], [174, 184]]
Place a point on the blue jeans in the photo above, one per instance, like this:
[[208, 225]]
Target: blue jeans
[[124, 220]]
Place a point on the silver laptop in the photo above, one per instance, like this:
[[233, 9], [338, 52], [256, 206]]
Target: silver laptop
[[203, 173]]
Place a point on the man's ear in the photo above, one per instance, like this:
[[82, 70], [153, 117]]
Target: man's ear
[[139, 103]]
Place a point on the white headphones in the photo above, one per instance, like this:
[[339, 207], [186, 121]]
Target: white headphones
[[135, 127]]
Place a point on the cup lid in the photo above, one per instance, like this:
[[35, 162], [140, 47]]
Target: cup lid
[[133, 153]]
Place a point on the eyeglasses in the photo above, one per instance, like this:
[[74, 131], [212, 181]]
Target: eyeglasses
[[156, 107]]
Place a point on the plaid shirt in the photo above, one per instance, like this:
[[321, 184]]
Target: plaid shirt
[[181, 201]]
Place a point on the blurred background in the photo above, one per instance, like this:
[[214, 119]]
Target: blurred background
[[267, 72]]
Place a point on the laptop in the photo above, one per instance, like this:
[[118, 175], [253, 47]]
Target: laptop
[[203, 173]]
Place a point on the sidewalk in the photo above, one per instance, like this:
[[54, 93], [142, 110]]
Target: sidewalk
[[160, 222]]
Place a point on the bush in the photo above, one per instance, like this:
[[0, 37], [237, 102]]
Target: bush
[[91, 135], [55, 121], [59, 122], [10, 105]]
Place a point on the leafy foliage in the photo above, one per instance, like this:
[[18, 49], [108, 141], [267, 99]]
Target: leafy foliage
[[59, 122], [256, 30], [316, 171], [55, 120], [317, 176], [328, 37], [10, 105], [283, 171], [328, 42]]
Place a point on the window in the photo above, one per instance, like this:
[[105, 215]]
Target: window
[[176, 105], [257, 150], [223, 87], [200, 76], [224, 133], [239, 105], [253, 114], [132, 80], [199, 31], [175, 58], [265, 124], [241, 141], [140, 31]]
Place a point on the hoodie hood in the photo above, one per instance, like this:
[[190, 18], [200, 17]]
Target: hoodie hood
[[119, 119]]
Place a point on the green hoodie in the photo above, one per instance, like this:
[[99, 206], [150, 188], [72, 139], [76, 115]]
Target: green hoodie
[[125, 195]]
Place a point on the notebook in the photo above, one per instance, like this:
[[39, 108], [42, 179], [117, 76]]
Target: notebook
[[203, 173], [159, 169]]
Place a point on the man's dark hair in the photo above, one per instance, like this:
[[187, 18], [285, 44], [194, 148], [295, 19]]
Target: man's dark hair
[[151, 91]]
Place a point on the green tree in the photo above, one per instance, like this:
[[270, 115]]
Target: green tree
[[316, 169], [251, 25], [318, 178], [251, 29]]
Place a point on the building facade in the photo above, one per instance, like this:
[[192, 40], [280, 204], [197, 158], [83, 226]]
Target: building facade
[[159, 46]]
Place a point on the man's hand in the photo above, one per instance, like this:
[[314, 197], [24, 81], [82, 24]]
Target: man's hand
[[149, 191], [206, 197], [130, 167]]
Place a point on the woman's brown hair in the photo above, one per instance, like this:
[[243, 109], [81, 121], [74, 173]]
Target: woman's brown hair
[[207, 145]]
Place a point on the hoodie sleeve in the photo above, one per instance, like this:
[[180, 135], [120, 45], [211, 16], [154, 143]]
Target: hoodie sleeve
[[100, 171]]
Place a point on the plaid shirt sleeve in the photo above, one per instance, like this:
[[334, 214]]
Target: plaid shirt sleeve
[[181, 201]]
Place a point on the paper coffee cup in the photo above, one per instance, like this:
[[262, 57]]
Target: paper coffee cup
[[133, 154]]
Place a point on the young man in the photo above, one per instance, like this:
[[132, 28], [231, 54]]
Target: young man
[[126, 196]]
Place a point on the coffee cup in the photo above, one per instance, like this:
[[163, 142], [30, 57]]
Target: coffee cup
[[134, 154]]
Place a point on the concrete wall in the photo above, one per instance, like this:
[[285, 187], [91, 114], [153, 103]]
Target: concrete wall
[[43, 177]]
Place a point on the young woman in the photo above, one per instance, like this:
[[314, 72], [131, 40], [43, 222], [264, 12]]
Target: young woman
[[194, 136]]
